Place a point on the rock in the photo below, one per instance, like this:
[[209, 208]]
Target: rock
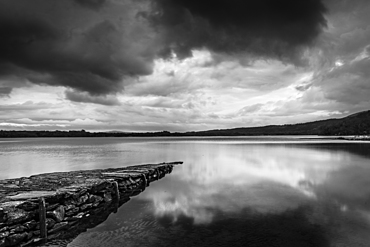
[[31, 195], [57, 214], [16, 238], [11, 186], [58, 227], [72, 211], [4, 234], [19, 216], [3, 243], [19, 228], [82, 199], [107, 197], [51, 237], [3, 216], [54, 199], [94, 199], [126, 183], [50, 223], [99, 187], [68, 207], [36, 233], [86, 206], [122, 187], [52, 207], [31, 224], [136, 192], [70, 199], [77, 217], [28, 206], [80, 215], [4, 229], [79, 193]]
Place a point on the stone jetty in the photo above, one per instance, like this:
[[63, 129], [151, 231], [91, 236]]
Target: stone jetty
[[47, 207]]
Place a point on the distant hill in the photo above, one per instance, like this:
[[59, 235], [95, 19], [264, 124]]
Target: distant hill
[[355, 124]]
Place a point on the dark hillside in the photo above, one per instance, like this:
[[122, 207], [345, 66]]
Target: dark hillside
[[356, 124]]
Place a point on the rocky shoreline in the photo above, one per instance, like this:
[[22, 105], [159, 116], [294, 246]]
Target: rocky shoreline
[[47, 207]]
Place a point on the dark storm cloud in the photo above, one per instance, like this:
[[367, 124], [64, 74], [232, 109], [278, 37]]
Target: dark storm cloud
[[20, 39], [264, 28], [39, 47], [83, 97], [59, 44], [5, 91], [64, 43]]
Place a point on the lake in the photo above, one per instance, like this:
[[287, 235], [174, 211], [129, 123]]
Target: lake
[[237, 191]]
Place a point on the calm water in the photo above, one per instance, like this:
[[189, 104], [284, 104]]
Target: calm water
[[229, 191]]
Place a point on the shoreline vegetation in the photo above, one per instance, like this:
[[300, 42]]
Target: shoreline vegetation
[[353, 127]]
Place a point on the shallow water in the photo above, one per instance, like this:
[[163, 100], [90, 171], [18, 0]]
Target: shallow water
[[271, 191]]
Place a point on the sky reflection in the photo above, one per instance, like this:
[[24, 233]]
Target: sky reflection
[[229, 178], [270, 179], [221, 184]]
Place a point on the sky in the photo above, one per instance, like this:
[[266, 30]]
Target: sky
[[181, 65]]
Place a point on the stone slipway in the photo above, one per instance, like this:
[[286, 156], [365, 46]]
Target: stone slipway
[[50, 206]]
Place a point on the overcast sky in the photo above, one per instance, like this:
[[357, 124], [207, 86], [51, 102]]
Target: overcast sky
[[181, 65]]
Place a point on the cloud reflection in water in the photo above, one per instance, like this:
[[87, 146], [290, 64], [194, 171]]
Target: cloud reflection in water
[[266, 195], [266, 178]]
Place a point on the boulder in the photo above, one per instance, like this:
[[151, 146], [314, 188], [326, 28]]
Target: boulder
[[16, 238], [58, 214], [107, 197], [82, 199], [19, 216]]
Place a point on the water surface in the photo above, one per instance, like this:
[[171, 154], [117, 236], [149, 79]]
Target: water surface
[[271, 191]]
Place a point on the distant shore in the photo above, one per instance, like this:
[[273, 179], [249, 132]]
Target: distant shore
[[83, 133], [356, 126], [355, 138]]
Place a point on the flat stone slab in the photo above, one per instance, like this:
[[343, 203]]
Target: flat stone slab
[[44, 206], [30, 195], [43, 185]]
